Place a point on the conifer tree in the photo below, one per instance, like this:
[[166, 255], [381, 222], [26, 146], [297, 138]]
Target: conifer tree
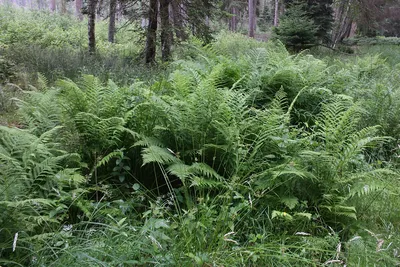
[[296, 29], [321, 14]]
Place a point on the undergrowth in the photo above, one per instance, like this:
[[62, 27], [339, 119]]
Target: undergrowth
[[56, 47], [243, 155]]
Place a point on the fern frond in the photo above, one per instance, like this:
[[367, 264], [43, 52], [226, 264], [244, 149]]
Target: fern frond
[[273, 177], [42, 81], [181, 170], [258, 57], [31, 201], [205, 170], [203, 183], [293, 172], [148, 141], [94, 93], [289, 201], [104, 161], [48, 136], [158, 155], [337, 120], [365, 183], [340, 210], [70, 177], [101, 131], [280, 102], [40, 111]]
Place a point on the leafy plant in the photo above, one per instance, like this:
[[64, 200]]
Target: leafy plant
[[38, 182], [244, 155]]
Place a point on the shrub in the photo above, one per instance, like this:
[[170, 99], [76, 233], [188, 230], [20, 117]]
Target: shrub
[[380, 40], [7, 70]]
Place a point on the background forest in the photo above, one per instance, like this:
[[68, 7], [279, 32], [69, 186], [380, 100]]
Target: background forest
[[199, 133]]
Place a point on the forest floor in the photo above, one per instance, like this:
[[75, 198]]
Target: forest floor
[[238, 153]]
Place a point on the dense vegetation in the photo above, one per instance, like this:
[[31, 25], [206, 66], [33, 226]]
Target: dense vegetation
[[237, 153]]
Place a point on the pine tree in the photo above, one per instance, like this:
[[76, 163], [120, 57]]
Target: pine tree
[[297, 30], [320, 12]]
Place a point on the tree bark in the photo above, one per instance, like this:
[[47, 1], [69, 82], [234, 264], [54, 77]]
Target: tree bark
[[343, 22], [52, 5], [177, 18], [63, 6], [99, 7], [165, 30], [233, 20], [111, 25], [252, 18], [78, 9], [353, 29], [91, 25], [40, 3], [276, 13], [150, 51]]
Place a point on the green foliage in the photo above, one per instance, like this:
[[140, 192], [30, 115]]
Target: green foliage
[[38, 181], [56, 46], [244, 155], [380, 40], [296, 29], [322, 14], [264, 20], [319, 12], [296, 172], [47, 30], [7, 70]]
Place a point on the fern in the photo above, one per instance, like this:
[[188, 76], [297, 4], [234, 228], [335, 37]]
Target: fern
[[340, 210], [42, 82], [158, 155], [35, 180], [104, 161], [39, 112], [201, 183], [365, 183], [205, 170]]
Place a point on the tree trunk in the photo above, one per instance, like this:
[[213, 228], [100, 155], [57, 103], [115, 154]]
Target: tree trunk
[[63, 6], [78, 9], [233, 20], [178, 20], [252, 18], [150, 52], [41, 4], [111, 25], [52, 5], [342, 22], [353, 30], [276, 13], [91, 25], [165, 30], [99, 7]]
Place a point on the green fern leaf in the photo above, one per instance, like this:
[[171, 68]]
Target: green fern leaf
[[156, 154]]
